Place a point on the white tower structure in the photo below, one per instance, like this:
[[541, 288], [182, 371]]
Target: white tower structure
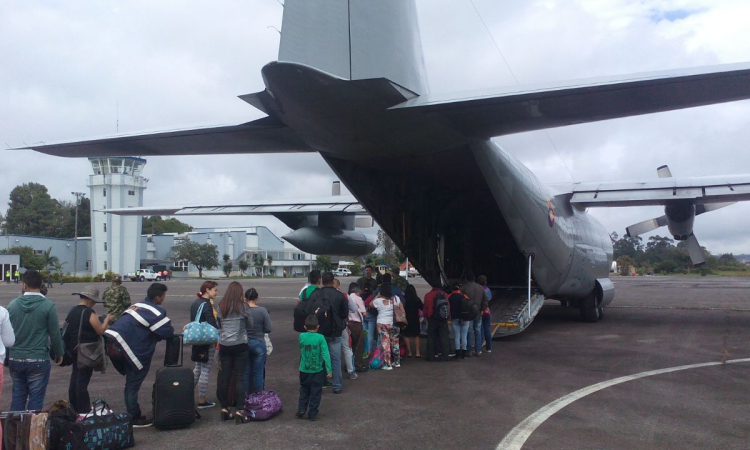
[[117, 182]]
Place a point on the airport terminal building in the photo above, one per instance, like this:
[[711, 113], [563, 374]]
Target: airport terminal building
[[248, 243]]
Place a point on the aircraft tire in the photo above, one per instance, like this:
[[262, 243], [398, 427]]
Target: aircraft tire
[[591, 311]]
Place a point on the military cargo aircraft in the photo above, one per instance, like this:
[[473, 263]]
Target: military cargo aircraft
[[350, 84]]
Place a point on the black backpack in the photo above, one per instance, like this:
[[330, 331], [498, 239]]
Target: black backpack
[[321, 307], [441, 310], [300, 315], [469, 310], [300, 311]]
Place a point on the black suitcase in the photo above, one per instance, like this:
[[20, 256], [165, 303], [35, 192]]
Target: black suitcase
[[174, 401]]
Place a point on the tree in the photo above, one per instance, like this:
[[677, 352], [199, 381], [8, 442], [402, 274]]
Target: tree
[[29, 259], [202, 256], [59, 268], [68, 216], [227, 265], [31, 211], [258, 262], [48, 261], [2, 224], [157, 225], [624, 263], [389, 253], [243, 265], [323, 263], [627, 246]]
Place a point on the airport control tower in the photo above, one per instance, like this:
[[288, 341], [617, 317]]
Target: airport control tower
[[117, 182]]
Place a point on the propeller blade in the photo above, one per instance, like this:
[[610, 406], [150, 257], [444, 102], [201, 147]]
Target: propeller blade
[[708, 207], [694, 250], [663, 171], [646, 226]]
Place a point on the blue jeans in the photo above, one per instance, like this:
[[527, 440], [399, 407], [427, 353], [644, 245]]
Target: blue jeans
[[487, 331], [256, 363], [334, 348], [30, 380], [460, 330], [475, 335], [372, 335], [133, 380]]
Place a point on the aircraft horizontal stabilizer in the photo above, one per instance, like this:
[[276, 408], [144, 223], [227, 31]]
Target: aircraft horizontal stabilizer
[[715, 192], [300, 206], [265, 135], [497, 112]]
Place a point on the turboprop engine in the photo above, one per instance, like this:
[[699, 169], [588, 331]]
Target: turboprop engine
[[331, 241], [679, 216]]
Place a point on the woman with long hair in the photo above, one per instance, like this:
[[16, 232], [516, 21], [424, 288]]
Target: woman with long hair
[[203, 355], [413, 304], [234, 321], [256, 342]]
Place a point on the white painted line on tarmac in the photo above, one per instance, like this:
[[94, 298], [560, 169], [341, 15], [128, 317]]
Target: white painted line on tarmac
[[698, 308], [517, 437]]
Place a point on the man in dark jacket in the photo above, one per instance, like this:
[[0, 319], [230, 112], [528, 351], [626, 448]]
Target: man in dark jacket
[[437, 327], [329, 298], [477, 303], [34, 320], [131, 342]]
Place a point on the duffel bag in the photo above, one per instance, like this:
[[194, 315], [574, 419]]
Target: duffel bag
[[98, 431], [262, 405], [200, 333]]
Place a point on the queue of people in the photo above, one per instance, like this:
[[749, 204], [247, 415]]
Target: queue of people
[[374, 315]]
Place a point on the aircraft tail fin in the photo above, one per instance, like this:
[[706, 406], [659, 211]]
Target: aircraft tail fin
[[356, 39]]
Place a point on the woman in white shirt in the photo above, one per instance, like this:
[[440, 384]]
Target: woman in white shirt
[[7, 339], [388, 334]]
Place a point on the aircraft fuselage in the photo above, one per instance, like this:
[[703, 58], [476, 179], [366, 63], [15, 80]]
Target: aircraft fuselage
[[447, 201]]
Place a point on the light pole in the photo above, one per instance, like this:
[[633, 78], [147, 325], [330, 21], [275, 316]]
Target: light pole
[[78, 196]]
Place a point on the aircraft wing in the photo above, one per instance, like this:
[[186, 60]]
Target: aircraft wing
[[511, 110], [332, 204], [266, 135], [700, 190]]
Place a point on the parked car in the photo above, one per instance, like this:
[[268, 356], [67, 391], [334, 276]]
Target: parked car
[[144, 275], [341, 272]]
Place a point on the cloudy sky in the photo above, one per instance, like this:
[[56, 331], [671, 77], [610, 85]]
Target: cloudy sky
[[72, 70]]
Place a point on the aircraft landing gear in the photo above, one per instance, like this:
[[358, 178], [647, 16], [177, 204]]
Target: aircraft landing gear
[[591, 308]]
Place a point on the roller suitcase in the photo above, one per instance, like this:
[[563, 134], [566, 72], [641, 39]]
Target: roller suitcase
[[174, 402]]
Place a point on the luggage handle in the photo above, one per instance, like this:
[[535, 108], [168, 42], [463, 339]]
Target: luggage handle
[[181, 355]]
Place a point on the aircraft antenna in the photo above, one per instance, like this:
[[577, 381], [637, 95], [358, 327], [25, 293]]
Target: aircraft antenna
[[505, 61]]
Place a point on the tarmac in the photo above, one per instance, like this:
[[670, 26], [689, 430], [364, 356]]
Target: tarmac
[[561, 384]]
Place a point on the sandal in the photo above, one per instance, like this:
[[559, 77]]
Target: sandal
[[239, 418]]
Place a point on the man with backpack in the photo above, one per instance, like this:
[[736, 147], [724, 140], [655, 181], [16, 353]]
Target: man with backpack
[[477, 302], [437, 312], [332, 310], [313, 283]]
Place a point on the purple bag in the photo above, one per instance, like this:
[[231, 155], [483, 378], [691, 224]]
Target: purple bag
[[262, 405]]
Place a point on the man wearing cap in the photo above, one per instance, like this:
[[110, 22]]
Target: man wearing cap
[[34, 320], [397, 279], [116, 298], [83, 327]]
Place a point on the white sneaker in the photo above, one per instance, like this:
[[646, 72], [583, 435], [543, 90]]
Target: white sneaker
[[387, 368], [397, 365], [488, 351]]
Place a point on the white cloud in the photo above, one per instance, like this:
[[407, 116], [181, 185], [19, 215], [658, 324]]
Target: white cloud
[[170, 64]]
